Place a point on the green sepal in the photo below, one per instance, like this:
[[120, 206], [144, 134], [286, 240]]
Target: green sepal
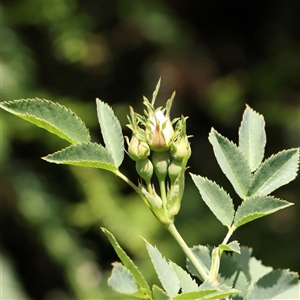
[[175, 193]]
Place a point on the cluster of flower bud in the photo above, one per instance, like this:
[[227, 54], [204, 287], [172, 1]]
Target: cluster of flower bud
[[154, 133]]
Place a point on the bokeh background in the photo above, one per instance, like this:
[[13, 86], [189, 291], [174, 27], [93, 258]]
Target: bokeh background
[[217, 55]]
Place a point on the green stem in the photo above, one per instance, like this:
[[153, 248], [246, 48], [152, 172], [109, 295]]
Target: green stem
[[188, 252], [163, 194], [229, 234], [171, 227], [128, 181]]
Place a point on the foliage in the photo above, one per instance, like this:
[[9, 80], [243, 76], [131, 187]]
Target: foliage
[[252, 179], [74, 51]]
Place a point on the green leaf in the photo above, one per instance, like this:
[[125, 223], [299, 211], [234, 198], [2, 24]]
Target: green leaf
[[85, 155], [250, 266], [275, 172], [256, 270], [111, 131], [203, 255], [232, 162], [232, 246], [216, 199], [207, 290], [198, 295], [252, 137], [51, 116], [256, 207], [239, 281], [273, 285], [121, 280], [232, 274], [159, 293], [128, 263], [166, 275], [290, 293], [187, 284], [222, 290]]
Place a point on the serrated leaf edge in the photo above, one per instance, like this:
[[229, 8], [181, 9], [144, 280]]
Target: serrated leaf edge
[[118, 125], [242, 154], [83, 160], [33, 116], [261, 213], [112, 274], [230, 248], [267, 161], [239, 133], [138, 276], [221, 188], [175, 274]]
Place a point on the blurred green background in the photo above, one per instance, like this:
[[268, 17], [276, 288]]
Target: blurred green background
[[217, 55]]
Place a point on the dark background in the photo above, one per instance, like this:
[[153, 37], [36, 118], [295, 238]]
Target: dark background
[[217, 55]]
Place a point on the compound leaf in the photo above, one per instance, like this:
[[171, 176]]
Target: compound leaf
[[256, 207], [85, 155], [232, 162], [275, 172], [51, 116], [111, 131], [216, 199], [252, 137]]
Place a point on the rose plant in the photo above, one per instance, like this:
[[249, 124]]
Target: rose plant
[[160, 148]]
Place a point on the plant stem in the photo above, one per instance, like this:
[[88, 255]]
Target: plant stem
[[188, 252], [229, 234], [171, 227], [163, 194], [128, 181]]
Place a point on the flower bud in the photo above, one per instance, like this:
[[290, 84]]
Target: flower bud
[[181, 149], [159, 131], [174, 170], [145, 169], [137, 149], [160, 162]]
